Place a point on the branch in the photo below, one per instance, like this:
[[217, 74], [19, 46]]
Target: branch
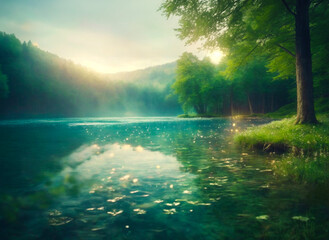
[[288, 8], [238, 8], [254, 48], [286, 50], [317, 3]]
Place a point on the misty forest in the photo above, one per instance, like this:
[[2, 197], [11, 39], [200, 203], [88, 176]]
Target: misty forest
[[187, 148]]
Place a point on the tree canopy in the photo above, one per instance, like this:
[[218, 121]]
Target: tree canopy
[[247, 29], [205, 89]]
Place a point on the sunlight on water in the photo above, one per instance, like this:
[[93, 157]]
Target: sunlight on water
[[143, 178]]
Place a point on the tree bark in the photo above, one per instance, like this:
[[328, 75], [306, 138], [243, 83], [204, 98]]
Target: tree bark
[[304, 79]]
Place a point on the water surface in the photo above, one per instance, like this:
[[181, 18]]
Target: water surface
[[147, 178]]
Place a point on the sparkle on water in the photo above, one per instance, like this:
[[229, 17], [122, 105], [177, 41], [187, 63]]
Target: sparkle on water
[[144, 178]]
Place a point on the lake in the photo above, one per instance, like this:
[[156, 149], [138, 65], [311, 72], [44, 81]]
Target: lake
[[147, 178]]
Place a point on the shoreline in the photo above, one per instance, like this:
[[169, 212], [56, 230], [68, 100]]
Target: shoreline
[[304, 148], [235, 117]]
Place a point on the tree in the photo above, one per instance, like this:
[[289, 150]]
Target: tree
[[304, 79], [244, 28], [194, 83], [255, 81], [4, 90]]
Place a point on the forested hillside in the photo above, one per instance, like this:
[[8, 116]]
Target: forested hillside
[[35, 83], [158, 76]]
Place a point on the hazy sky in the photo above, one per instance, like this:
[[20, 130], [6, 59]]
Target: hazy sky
[[105, 35]]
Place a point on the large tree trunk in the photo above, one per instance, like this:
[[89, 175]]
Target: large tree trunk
[[305, 102]]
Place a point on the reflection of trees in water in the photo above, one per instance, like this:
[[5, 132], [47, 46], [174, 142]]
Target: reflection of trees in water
[[27, 213]]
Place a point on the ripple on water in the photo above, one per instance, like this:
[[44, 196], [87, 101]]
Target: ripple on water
[[115, 212], [131, 188], [58, 221]]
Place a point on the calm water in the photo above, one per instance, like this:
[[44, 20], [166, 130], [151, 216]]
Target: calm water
[[147, 178]]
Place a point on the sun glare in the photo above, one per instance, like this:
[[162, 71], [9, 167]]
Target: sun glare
[[215, 56]]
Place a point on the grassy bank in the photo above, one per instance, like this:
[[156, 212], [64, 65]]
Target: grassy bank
[[306, 147], [285, 136]]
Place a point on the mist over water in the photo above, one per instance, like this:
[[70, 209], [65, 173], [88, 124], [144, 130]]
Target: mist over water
[[143, 178]]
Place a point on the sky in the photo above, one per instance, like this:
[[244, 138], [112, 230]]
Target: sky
[[104, 35]]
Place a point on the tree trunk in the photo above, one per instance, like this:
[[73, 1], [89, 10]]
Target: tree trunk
[[231, 101], [250, 106], [304, 80], [263, 103], [196, 108]]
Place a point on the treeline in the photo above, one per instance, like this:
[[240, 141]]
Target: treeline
[[206, 89], [35, 83]]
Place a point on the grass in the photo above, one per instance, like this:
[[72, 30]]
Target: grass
[[307, 147], [285, 136], [311, 169]]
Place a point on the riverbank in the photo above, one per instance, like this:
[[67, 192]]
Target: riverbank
[[305, 148], [235, 117], [199, 116]]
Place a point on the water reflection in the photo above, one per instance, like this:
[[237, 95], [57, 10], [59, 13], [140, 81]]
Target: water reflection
[[161, 179]]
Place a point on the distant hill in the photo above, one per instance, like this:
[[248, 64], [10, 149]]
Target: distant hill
[[156, 76], [35, 83]]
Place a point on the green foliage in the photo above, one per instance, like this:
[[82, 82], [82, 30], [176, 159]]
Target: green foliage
[[205, 89], [320, 50], [195, 83], [247, 30], [314, 169], [286, 111], [322, 105], [289, 110], [242, 29]]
